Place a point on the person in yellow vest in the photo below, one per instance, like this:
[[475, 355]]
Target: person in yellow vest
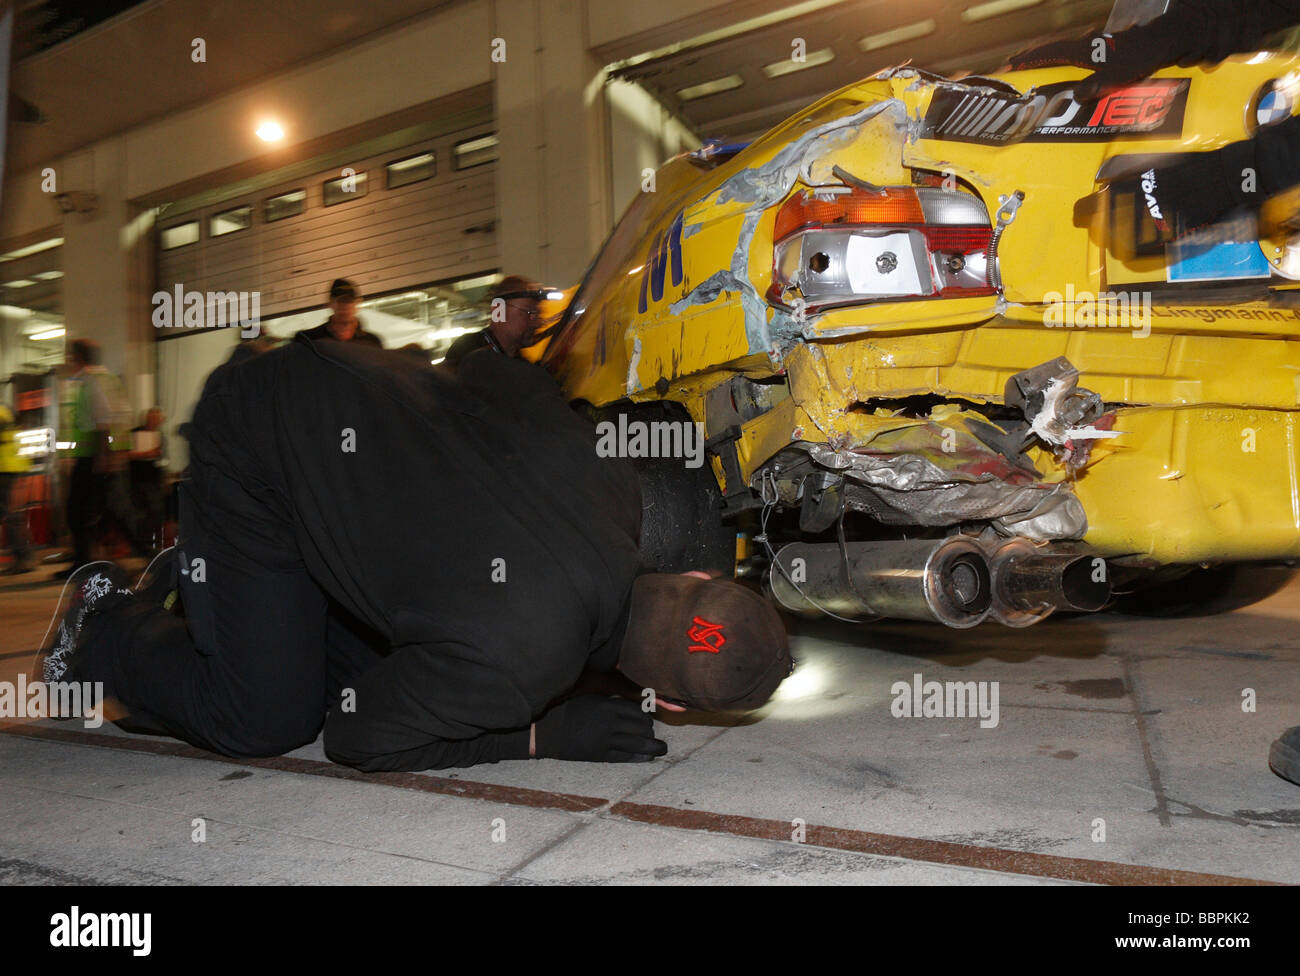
[[12, 467], [93, 423]]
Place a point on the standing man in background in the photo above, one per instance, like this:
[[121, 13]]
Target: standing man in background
[[93, 421], [343, 323], [512, 325]]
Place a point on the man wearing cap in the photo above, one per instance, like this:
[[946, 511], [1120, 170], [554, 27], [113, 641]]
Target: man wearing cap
[[512, 325], [485, 543], [343, 323]]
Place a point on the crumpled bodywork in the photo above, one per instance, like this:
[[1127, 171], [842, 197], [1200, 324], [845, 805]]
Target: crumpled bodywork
[[951, 465], [915, 487], [1172, 443]]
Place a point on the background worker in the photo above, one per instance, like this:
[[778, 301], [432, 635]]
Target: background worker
[[343, 323], [93, 422], [515, 314]]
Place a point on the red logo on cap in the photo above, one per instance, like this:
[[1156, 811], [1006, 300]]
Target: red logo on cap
[[705, 636]]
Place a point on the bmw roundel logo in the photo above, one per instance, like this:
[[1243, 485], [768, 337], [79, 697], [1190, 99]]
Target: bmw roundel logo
[[1272, 104]]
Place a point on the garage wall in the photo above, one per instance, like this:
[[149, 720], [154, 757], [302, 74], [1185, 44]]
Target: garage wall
[[183, 367], [642, 135], [387, 239]]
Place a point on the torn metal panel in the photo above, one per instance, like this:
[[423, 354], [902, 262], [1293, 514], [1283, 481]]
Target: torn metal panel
[[1060, 413]]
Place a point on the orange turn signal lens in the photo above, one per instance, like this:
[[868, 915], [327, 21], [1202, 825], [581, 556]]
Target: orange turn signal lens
[[896, 206]]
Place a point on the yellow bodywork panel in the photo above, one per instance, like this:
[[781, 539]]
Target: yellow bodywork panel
[[1203, 484]]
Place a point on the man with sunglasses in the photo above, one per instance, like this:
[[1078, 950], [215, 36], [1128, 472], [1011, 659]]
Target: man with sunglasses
[[512, 326]]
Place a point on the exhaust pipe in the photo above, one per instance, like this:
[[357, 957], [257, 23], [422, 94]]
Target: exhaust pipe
[[1028, 583], [946, 581]]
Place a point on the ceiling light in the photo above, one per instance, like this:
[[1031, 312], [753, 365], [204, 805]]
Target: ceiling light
[[710, 87], [47, 334], [995, 8], [898, 35], [22, 252], [789, 65], [270, 131], [792, 12]]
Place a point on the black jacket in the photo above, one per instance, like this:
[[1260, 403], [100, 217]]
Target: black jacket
[[322, 331], [1197, 31], [466, 344], [448, 482], [1211, 30]]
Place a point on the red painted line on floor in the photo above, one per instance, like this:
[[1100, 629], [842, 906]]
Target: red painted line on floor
[[932, 851], [947, 853], [514, 795]]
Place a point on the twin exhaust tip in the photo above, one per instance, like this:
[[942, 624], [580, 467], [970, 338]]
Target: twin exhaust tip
[[956, 581], [1028, 583]]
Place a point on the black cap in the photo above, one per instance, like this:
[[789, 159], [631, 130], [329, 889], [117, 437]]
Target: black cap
[[712, 644], [342, 288]]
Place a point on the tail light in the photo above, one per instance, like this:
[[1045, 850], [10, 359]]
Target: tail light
[[857, 246]]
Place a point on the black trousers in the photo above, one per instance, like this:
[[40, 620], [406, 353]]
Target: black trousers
[[146, 494], [83, 508], [96, 502], [13, 519], [252, 665]]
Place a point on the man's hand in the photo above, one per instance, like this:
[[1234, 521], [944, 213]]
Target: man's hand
[[592, 728], [1149, 209]]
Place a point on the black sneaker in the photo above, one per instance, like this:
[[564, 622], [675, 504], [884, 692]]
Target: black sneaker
[[1284, 756], [91, 587], [160, 582]]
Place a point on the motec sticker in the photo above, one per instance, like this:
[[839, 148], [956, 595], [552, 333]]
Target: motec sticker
[[1149, 109]]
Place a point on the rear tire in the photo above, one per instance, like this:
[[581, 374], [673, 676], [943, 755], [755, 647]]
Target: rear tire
[[681, 508]]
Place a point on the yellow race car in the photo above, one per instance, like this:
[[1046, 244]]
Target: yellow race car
[[926, 385]]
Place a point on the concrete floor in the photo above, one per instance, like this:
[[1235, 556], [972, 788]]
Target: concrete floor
[[1134, 722]]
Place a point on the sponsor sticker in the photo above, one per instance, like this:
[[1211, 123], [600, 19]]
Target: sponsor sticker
[[1148, 109], [1227, 251]]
